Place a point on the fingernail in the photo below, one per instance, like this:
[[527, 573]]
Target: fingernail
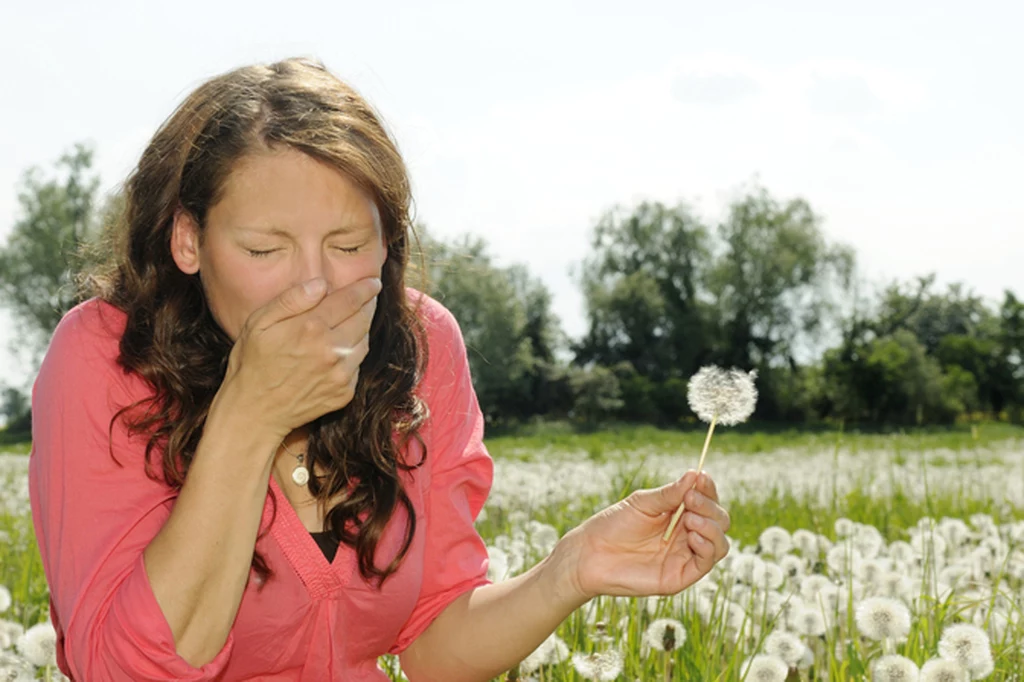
[[314, 287]]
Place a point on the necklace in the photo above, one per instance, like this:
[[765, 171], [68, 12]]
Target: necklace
[[300, 474]]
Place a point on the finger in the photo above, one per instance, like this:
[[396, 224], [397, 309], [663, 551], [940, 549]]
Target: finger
[[667, 498], [360, 350], [706, 507], [289, 303], [341, 304], [707, 486], [704, 551]]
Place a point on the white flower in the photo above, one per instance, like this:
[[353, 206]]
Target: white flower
[[5, 598], [941, 670], [764, 668], [844, 527], [767, 575], [39, 645], [598, 666], [543, 536], [785, 645], [728, 396], [842, 558], [15, 669], [551, 651], [497, 564], [808, 621], [883, 618], [665, 634], [805, 541], [968, 645], [775, 541], [10, 632], [894, 668]]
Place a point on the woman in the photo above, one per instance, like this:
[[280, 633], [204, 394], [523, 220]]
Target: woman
[[258, 455]]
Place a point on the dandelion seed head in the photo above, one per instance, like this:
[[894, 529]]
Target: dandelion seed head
[[808, 621], [793, 568], [895, 668], [805, 541], [765, 668], [941, 670], [881, 618], [728, 395], [606, 665], [551, 651], [665, 634], [775, 541], [844, 527], [497, 565], [966, 644], [768, 575], [785, 645], [39, 645], [15, 669], [5, 598]]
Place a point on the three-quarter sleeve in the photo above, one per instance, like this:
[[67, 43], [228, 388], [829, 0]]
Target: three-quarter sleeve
[[461, 472], [95, 510]]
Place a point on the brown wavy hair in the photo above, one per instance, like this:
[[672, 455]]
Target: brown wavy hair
[[171, 338]]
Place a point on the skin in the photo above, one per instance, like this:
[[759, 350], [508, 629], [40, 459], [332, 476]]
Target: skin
[[282, 373], [283, 219], [306, 200]]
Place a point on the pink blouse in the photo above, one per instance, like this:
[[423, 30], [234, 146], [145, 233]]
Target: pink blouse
[[314, 619]]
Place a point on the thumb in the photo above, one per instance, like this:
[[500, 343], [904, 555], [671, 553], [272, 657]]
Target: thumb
[[666, 499], [291, 302]]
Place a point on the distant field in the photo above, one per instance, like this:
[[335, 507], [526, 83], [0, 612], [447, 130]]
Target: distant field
[[933, 521]]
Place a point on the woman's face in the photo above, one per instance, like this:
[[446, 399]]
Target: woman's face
[[283, 218]]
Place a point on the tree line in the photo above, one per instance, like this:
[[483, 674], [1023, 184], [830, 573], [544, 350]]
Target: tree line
[[665, 292]]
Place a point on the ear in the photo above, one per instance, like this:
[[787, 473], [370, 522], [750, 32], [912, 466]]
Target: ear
[[185, 241]]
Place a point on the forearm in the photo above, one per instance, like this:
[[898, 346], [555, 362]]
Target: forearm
[[199, 563], [491, 629]]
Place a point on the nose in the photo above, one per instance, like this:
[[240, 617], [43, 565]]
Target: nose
[[312, 264]]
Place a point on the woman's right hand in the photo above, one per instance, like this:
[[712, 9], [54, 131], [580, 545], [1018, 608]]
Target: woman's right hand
[[297, 358]]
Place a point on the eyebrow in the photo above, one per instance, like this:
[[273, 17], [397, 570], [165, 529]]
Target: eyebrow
[[279, 232]]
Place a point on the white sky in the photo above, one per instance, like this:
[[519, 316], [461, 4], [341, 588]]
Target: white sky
[[899, 122]]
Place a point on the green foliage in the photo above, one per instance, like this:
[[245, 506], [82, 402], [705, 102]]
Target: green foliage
[[511, 334], [641, 287], [44, 249]]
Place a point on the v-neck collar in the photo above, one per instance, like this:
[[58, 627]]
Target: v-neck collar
[[321, 578]]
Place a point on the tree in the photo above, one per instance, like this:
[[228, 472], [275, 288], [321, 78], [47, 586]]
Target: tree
[[641, 291], [511, 334], [776, 282], [43, 252]]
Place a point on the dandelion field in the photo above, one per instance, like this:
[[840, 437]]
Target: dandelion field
[[853, 557]]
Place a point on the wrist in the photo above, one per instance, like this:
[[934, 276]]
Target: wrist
[[232, 409], [562, 570]]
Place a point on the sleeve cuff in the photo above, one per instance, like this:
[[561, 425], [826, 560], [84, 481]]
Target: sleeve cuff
[[140, 639], [428, 613]]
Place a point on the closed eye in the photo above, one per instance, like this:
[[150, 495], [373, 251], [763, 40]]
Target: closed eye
[[260, 254]]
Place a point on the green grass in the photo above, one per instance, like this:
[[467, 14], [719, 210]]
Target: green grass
[[710, 653], [748, 438]]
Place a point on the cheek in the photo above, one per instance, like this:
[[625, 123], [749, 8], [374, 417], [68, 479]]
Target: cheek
[[233, 296], [344, 272]]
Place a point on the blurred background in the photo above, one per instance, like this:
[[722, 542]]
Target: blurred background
[[612, 195]]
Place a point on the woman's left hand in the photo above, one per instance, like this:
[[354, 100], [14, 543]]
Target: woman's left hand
[[619, 551]]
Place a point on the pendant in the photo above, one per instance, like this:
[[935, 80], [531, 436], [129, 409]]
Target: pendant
[[300, 475]]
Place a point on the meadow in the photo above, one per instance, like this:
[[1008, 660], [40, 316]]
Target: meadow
[[853, 556]]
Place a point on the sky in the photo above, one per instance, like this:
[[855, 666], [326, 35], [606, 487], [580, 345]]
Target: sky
[[900, 123]]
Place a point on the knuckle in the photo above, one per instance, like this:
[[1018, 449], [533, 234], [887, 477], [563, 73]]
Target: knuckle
[[312, 325]]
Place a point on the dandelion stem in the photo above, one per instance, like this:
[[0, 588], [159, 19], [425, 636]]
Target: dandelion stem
[[700, 468]]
